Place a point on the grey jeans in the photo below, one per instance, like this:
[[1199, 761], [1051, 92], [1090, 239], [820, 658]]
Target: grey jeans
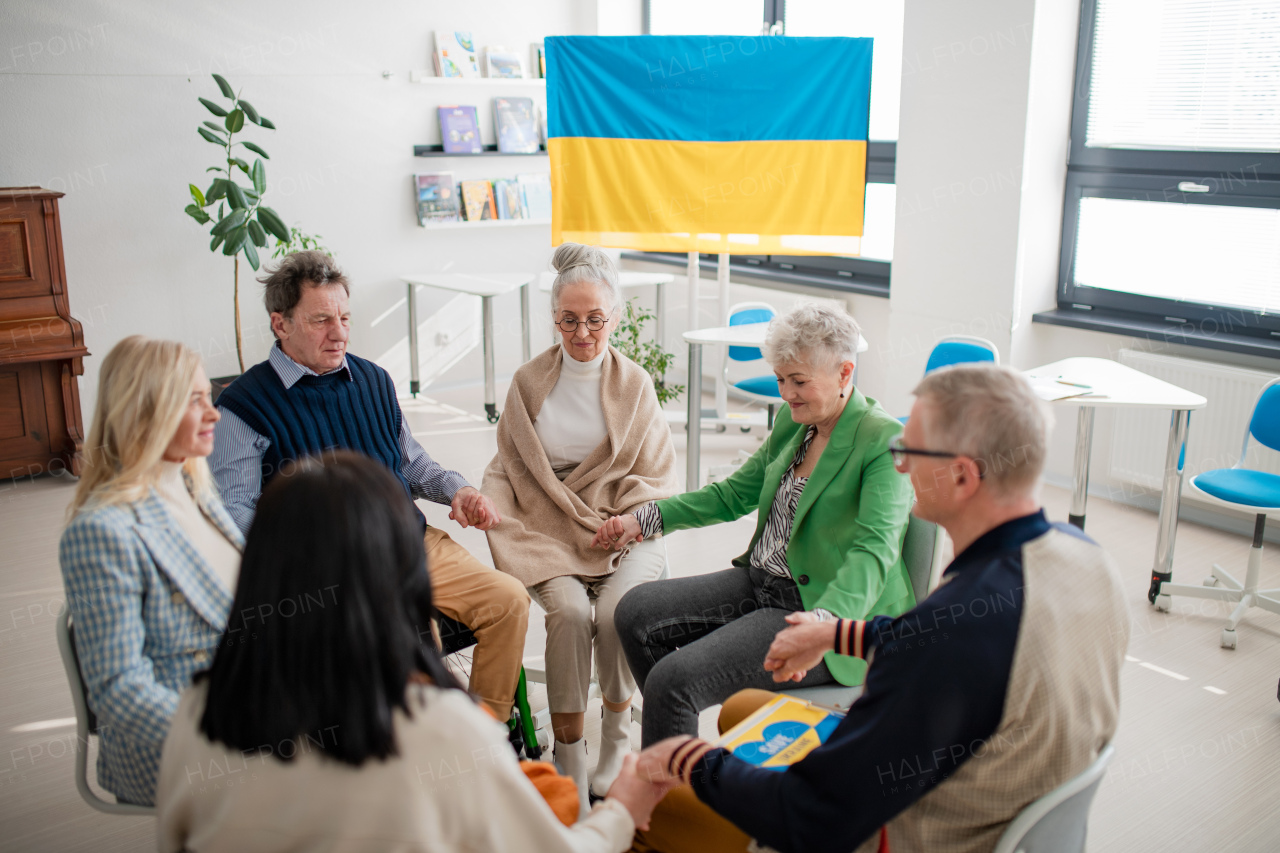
[[694, 642]]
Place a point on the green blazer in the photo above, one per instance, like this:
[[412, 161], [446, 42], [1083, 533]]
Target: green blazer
[[845, 551]]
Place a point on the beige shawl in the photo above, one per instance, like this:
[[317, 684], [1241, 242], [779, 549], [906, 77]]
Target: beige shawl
[[547, 525]]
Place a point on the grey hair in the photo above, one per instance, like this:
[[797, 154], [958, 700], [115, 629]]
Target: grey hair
[[990, 413], [575, 263], [813, 334]]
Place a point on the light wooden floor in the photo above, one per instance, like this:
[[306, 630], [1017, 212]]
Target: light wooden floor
[[1195, 769]]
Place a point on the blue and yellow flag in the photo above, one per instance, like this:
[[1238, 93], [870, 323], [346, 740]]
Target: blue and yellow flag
[[750, 145]]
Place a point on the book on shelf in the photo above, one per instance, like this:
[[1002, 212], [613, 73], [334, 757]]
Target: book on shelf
[[500, 62], [510, 200], [516, 125], [781, 733], [455, 54], [536, 189], [437, 197], [477, 200], [460, 130], [537, 60]]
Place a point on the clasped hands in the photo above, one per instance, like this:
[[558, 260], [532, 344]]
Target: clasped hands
[[616, 533], [471, 509]]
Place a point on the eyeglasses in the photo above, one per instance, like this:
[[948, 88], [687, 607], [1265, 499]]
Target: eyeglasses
[[595, 324], [899, 451]]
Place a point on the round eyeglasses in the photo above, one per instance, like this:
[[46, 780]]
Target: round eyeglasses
[[594, 323]]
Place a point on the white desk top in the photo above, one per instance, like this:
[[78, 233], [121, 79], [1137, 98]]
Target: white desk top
[[625, 279], [746, 335], [477, 284], [1117, 385]]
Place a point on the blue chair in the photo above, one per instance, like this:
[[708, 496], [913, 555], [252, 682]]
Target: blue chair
[[757, 389], [1257, 492], [959, 349]]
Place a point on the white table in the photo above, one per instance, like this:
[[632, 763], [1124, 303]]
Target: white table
[[745, 335], [1114, 385], [486, 286], [659, 280]]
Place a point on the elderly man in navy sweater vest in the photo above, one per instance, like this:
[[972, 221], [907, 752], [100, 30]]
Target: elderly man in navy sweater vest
[[311, 396], [996, 689]]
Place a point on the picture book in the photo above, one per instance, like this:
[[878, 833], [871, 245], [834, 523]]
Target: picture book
[[516, 125], [500, 62], [460, 130], [437, 197], [538, 60], [477, 200], [536, 189], [510, 201], [781, 733], [455, 54]]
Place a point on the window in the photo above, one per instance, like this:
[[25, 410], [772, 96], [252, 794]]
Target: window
[[878, 19], [1172, 217]]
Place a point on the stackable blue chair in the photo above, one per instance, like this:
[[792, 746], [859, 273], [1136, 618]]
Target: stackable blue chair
[[757, 389], [1244, 488], [959, 349]]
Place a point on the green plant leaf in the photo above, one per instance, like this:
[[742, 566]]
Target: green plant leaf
[[259, 175], [273, 223], [234, 121], [250, 253], [235, 220], [214, 126], [196, 195], [266, 122], [216, 140], [235, 197], [197, 214], [227, 91], [250, 113], [255, 149], [256, 233], [244, 167], [235, 241], [216, 190], [212, 107], [250, 194], [214, 169], [217, 241]]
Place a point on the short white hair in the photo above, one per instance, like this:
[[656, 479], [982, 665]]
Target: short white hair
[[575, 263], [813, 334]]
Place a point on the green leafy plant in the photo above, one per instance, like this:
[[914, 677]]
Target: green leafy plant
[[300, 242], [241, 222], [648, 354]]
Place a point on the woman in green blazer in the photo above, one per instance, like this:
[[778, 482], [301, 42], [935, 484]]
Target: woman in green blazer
[[832, 514]]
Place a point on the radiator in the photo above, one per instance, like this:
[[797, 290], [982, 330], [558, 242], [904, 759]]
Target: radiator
[[1139, 436]]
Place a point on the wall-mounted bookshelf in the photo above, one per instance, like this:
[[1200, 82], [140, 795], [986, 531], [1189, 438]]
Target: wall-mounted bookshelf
[[429, 79], [489, 151], [484, 223]]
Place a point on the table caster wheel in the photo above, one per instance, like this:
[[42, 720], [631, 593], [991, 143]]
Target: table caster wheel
[[745, 429], [1228, 638], [492, 418], [1164, 603], [1210, 581]]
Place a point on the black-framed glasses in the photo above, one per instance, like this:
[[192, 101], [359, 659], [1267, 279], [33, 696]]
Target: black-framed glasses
[[899, 451], [594, 323]]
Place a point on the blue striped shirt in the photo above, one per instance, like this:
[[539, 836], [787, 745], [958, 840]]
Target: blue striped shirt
[[238, 449]]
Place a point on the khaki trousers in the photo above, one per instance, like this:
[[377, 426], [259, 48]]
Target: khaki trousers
[[493, 605], [684, 824]]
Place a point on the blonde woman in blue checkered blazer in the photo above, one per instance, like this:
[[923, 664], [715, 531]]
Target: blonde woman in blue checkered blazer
[[150, 556]]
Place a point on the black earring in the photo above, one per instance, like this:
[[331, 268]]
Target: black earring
[[841, 395]]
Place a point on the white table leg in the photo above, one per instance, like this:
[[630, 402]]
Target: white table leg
[[694, 424], [525, 298], [660, 310], [412, 299], [490, 394], [1084, 442], [1170, 497]]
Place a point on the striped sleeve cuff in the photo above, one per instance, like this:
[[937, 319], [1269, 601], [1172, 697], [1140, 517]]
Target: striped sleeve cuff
[[649, 517], [849, 637], [686, 758]]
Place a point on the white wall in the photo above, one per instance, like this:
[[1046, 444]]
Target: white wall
[[99, 101]]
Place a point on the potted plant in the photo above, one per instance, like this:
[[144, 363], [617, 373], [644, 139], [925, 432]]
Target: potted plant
[[648, 354]]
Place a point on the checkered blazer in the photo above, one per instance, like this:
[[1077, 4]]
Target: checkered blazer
[[148, 611]]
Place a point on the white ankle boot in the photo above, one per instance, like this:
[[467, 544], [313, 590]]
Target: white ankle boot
[[571, 760], [615, 743]]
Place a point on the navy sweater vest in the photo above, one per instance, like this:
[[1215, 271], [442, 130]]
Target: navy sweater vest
[[320, 413]]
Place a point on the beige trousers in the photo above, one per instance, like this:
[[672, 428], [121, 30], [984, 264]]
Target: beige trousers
[[573, 631], [493, 605]]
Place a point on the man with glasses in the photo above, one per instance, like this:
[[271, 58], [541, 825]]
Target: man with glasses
[[996, 689]]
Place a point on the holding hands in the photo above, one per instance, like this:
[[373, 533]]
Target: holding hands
[[639, 792], [470, 508], [616, 533], [799, 648]]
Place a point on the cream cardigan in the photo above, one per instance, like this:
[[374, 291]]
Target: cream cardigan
[[455, 786]]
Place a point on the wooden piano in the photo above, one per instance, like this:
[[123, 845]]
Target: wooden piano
[[41, 345]]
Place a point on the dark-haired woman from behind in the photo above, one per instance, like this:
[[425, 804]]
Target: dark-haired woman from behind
[[325, 722]]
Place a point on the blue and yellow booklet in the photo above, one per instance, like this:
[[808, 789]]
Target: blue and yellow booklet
[[781, 733]]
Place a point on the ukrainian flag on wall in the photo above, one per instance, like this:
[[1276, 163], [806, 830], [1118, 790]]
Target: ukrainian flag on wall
[[743, 144]]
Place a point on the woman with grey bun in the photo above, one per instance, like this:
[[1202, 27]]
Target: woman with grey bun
[[582, 438]]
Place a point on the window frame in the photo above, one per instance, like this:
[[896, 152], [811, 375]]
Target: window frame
[[854, 275], [1234, 178]]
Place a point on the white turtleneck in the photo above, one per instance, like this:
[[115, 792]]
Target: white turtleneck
[[571, 422], [208, 540]]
